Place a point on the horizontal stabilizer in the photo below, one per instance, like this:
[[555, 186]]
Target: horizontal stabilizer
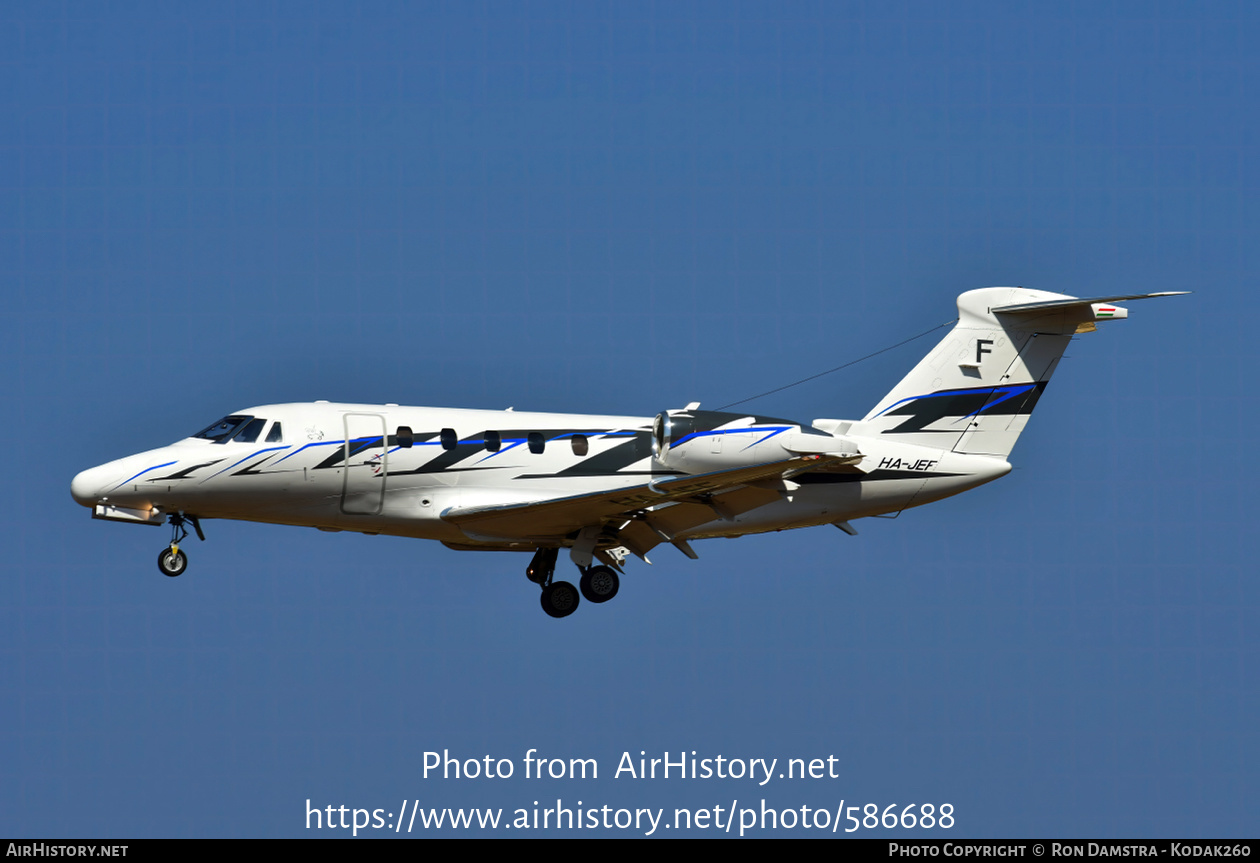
[[1073, 302]]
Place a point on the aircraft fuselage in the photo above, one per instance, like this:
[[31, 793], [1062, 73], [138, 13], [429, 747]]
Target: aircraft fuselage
[[346, 467]]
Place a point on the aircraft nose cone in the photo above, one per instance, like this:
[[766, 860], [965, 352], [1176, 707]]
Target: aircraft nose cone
[[87, 486]]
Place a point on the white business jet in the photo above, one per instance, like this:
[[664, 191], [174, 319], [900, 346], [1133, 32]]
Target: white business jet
[[608, 487]]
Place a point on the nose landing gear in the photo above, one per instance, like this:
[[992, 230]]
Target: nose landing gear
[[171, 561]]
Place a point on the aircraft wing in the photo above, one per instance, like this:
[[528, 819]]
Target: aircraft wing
[[720, 494]]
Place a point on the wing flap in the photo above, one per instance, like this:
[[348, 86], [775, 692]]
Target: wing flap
[[684, 515], [561, 516]]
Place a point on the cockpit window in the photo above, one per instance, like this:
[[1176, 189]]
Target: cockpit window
[[220, 431], [275, 435], [250, 432]]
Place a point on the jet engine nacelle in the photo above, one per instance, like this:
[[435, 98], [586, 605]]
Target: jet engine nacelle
[[696, 441]]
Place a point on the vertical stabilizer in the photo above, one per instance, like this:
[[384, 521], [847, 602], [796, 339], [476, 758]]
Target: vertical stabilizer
[[973, 393]]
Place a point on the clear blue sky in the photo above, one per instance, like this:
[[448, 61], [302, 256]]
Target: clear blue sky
[[620, 208]]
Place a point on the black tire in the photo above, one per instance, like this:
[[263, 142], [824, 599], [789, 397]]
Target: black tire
[[560, 599], [172, 565], [600, 584]]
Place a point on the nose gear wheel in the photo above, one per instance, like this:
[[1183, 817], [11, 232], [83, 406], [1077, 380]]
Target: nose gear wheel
[[171, 560]]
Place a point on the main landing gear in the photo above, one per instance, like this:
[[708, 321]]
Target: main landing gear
[[172, 561], [560, 598], [599, 583]]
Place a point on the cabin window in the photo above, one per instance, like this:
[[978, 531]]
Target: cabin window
[[220, 431], [404, 437], [536, 442], [494, 441], [580, 445], [449, 438], [275, 435], [250, 432]]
